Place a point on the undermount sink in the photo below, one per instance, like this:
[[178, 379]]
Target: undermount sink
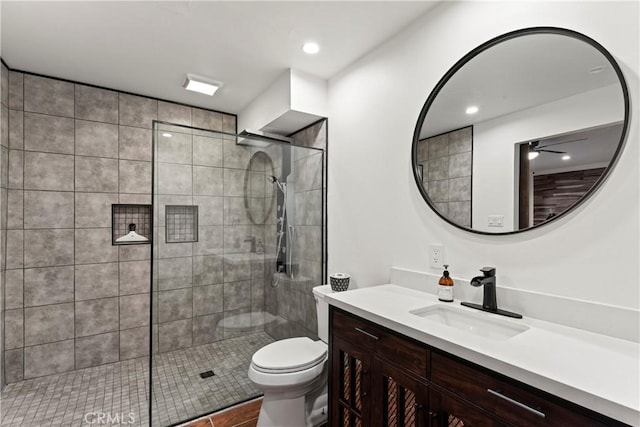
[[478, 323]]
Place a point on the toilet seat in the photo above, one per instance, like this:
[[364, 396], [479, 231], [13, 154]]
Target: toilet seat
[[289, 355]]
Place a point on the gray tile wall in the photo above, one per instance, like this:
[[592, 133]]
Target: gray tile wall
[[4, 200], [69, 152], [446, 161], [201, 284]]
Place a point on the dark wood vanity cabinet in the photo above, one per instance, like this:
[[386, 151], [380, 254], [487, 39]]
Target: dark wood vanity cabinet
[[504, 399], [449, 410], [377, 377], [350, 388], [381, 378], [400, 399]]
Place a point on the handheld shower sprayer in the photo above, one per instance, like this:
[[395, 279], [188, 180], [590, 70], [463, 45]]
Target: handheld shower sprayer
[[281, 186]]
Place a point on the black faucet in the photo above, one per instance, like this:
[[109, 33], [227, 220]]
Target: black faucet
[[488, 280], [489, 300]]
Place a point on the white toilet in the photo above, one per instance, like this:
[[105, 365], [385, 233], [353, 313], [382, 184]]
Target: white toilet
[[292, 374]]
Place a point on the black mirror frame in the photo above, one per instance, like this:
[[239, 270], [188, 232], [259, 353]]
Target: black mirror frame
[[475, 52]]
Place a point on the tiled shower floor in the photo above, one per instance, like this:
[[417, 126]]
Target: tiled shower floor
[[122, 388]]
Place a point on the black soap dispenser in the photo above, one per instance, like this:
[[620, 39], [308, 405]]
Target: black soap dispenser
[[445, 286]]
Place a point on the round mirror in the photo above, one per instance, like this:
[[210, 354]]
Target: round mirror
[[259, 193], [520, 131]]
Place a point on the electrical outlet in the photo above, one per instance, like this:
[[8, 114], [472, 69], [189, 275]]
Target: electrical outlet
[[436, 255]]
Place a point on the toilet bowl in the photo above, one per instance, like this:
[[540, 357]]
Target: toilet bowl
[[292, 374]]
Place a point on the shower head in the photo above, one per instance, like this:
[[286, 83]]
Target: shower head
[[274, 180]]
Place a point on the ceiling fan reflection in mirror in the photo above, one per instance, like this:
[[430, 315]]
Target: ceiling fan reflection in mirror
[[535, 149]]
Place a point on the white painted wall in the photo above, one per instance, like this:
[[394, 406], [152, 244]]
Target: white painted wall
[[494, 141], [308, 93], [295, 100], [377, 218], [268, 106]]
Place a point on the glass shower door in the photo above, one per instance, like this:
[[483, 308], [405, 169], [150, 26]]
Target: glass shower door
[[237, 248]]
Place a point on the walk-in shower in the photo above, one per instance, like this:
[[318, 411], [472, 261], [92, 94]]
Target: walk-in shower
[[243, 278], [161, 332]]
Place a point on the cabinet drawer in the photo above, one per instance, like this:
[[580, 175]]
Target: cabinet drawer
[[394, 348], [511, 402], [404, 353], [354, 330]]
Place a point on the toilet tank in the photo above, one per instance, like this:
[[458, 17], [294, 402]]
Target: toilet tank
[[322, 309]]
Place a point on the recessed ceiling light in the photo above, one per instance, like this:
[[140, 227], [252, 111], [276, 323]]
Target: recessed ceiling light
[[201, 84], [533, 155], [566, 157], [311, 48], [472, 109], [167, 135]]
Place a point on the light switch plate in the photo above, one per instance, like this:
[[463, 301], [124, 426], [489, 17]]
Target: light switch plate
[[495, 221]]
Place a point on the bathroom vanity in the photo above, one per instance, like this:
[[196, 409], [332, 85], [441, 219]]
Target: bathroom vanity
[[391, 365]]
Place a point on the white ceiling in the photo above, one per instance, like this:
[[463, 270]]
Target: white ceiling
[[148, 47]]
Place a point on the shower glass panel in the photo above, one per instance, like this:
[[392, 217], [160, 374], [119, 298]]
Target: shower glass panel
[[237, 248]]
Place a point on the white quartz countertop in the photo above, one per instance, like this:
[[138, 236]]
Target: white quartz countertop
[[592, 370]]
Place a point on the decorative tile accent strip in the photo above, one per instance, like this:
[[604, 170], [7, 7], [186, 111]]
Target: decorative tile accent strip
[[182, 224]]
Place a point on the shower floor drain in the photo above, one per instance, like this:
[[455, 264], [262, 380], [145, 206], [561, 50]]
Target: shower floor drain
[[206, 374]]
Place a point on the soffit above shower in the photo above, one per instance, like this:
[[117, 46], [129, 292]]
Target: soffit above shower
[[294, 101], [147, 47]]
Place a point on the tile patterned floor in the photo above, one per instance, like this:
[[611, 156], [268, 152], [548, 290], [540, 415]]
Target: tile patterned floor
[[121, 388], [179, 390]]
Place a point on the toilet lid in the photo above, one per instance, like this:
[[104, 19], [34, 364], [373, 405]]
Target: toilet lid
[[290, 355]]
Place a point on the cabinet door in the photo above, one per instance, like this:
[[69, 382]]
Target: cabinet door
[[350, 385], [399, 398], [448, 411]]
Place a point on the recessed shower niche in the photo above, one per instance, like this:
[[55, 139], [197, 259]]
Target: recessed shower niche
[[181, 224], [130, 224]]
